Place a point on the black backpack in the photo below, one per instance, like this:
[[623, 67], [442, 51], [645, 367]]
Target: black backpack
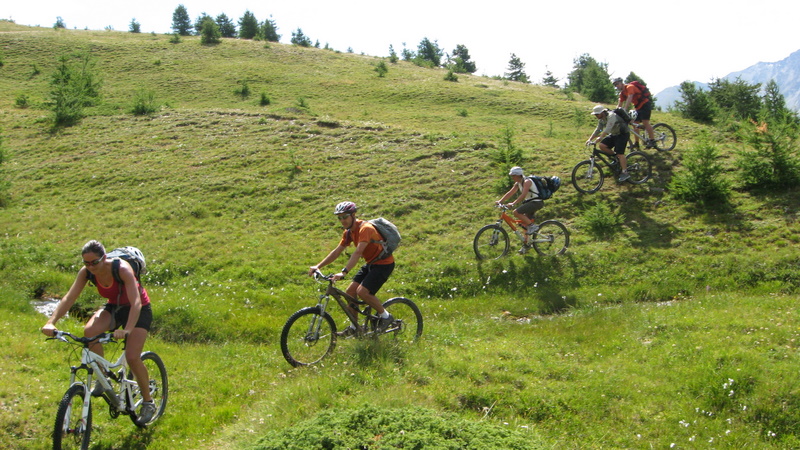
[[546, 186], [622, 114]]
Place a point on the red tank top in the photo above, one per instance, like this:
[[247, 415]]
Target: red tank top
[[113, 292]]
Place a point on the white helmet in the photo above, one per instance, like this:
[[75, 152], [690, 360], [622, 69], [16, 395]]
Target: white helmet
[[516, 171], [598, 109]]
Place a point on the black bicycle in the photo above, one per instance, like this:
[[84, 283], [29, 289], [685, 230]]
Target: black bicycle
[[310, 333], [588, 176]]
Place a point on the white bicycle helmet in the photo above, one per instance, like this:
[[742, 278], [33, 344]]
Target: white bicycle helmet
[[345, 208], [634, 114]]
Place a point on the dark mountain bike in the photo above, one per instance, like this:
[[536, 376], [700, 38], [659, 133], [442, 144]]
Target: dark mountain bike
[[310, 333], [588, 176]]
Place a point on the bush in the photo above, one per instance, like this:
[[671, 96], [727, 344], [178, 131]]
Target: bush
[[265, 100], [702, 182], [772, 163], [600, 220], [74, 85], [21, 101], [243, 90], [395, 428], [144, 103], [451, 76], [381, 69]]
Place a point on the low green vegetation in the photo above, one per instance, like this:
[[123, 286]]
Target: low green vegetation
[[675, 328]]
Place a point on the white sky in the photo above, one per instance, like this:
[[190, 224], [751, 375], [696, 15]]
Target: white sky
[[693, 40]]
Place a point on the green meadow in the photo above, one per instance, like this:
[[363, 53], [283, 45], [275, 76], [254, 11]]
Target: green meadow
[[676, 326]]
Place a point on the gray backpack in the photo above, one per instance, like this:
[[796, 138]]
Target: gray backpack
[[389, 233]]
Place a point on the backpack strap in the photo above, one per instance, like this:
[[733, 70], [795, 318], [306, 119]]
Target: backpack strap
[[115, 270]]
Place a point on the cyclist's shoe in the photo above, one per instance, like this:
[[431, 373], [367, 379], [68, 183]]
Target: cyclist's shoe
[[347, 332], [635, 147], [532, 228], [146, 413], [624, 176], [523, 250], [98, 389], [651, 143], [383, 323]]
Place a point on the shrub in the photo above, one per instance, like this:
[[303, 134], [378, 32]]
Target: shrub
[[772, 163], [600, 220], [381, 69], [21, 101], [74, 85], [243, 90], [451, 76], [265, 100], [702, 182], [175, 38], [144, 103]]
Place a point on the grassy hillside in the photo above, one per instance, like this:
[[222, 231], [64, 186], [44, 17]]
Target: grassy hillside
[[628, 340]]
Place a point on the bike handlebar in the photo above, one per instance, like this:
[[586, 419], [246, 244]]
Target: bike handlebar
[[63, 335]]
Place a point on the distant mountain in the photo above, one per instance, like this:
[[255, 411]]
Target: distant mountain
[[785, 72]]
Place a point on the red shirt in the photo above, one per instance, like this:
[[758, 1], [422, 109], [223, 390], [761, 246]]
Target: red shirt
[[363, 231], [635, 94], [113, 291]]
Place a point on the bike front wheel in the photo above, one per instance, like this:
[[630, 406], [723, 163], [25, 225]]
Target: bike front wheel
[[307, 337], [407, 325], [491, 242], [587, 177], [638, 168], [666, 139], [71, 431], [551, 239], [159, 386]]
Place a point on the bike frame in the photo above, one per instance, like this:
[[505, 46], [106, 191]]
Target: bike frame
[[93, 364], [338, 295], [512, 223]]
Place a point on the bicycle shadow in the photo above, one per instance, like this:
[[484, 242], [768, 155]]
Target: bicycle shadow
[[546, 279]]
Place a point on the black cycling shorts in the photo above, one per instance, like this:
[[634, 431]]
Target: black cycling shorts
[[119, 316], [644, 112], [373, 276], [618, 142]]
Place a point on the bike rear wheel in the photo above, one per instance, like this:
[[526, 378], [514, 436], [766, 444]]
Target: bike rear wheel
[[70, 430], [666, 139], [491, 242], [638, 168], [586, 178], [407, 325], [551, 239], [307, 337], [159, 386]]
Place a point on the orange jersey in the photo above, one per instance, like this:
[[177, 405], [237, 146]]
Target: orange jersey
[[363, 231], [635, 95]]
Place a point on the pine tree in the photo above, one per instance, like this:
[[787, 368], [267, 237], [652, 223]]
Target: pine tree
[[461, 60], [298, 38], [134, 26], [516, 70], [549, 79], [209, 32], [226, 26], [591, 79], [429, 52], [695, 104], [269, 31], [181, 23], [248, 25]]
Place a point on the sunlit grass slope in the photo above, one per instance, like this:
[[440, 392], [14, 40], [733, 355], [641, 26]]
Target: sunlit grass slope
[[629, 340]]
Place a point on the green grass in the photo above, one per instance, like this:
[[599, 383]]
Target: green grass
[[629, 340]]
